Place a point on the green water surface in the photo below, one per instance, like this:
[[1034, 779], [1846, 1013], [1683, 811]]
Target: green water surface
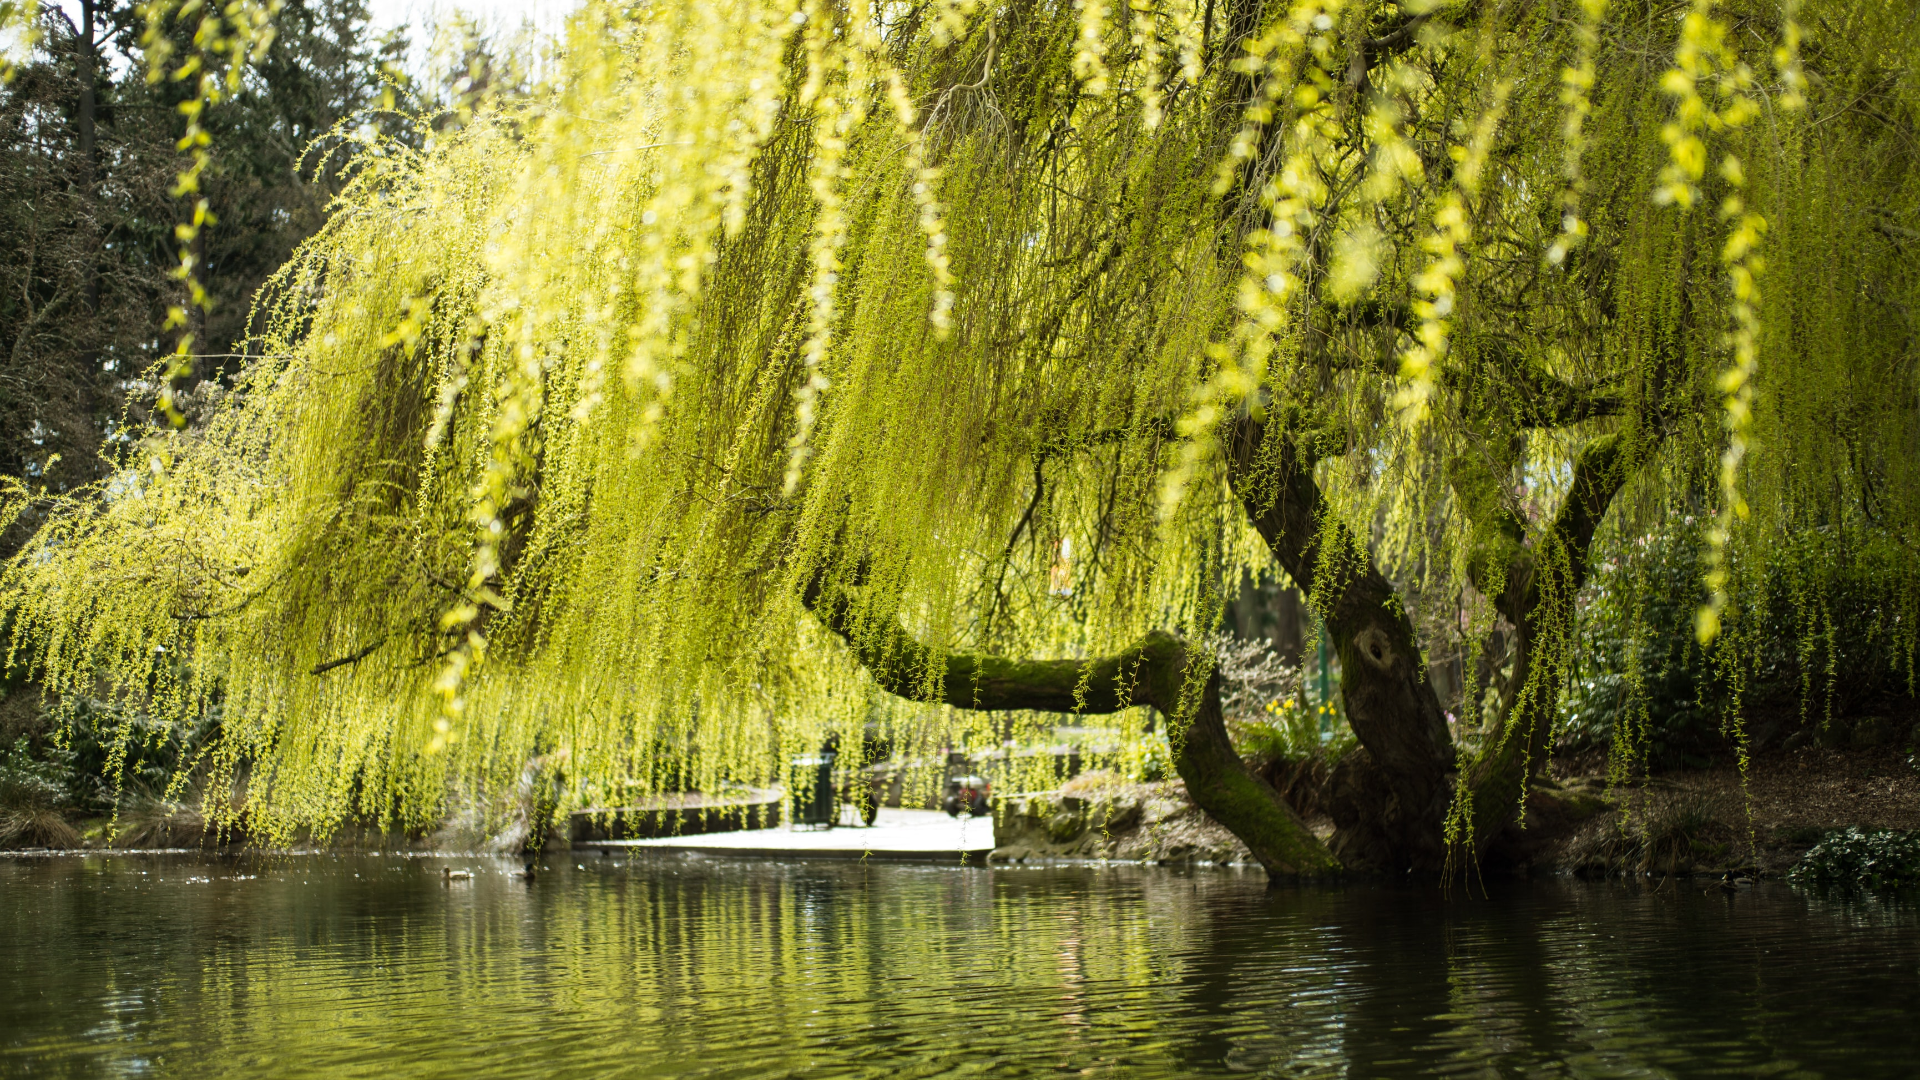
[[371, 966]]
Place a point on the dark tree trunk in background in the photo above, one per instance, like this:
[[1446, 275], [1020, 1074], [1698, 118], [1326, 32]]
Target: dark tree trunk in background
[[88, 112], [1271, 609], [87, 214], [87, 117]]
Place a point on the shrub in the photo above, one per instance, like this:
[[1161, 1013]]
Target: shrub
[[1148, 761], [34, 790], [1827, 629], [1637, 617], [1264, 703], [154, 750], [1857, 860]]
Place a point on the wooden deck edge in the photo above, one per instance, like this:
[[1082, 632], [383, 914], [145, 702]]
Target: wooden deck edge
[[966, 856]]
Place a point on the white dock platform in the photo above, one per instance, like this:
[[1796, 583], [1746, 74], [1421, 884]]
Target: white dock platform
[[898, 836]]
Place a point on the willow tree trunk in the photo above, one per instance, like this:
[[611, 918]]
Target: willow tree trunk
[[1388, 799], [1392, 799], [1541, 575]]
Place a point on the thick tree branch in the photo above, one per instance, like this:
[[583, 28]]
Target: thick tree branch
[[1498, 532], [353, 657], [1367, 53], [1153, 671], [1503, 389], [1522, 396], [1600, 470], [1542, 580], [1551, 403]]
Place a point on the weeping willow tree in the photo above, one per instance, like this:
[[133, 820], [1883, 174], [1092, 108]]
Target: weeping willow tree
[[770, 354]]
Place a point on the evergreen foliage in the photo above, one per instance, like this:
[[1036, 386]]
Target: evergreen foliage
[[1824, 643], [1643, 686], [87, 167], [1861, 860]]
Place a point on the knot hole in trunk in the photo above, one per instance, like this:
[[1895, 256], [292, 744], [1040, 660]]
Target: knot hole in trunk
[[1374, 647]]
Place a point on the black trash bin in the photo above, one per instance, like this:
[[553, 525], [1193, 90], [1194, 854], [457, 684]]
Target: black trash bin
[[814, 800]]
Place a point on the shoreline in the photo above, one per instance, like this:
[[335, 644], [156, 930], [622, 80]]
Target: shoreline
[[1689, 822]]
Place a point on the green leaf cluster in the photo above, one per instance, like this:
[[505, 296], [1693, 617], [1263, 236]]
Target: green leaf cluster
[[1861, 860]]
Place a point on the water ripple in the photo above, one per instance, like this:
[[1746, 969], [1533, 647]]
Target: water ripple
[[331, 966]]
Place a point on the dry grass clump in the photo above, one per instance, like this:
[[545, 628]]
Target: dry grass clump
[[1666, 834], [149, 821], [36, 827]]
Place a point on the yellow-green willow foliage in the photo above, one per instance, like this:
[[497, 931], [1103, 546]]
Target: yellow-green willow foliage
[[16, 34], [560, 414], [227, 38]]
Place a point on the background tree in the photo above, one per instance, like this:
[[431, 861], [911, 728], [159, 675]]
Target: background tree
[[85, 174], [89, 163]]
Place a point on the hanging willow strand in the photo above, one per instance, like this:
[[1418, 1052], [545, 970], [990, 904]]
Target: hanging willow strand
[[226, 39]]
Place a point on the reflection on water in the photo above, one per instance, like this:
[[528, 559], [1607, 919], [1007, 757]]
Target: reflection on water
[[372, 966]]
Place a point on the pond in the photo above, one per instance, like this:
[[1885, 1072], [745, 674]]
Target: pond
[[673, 966]]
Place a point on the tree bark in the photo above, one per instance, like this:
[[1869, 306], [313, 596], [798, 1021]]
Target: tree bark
[[1153, 671], [1542, 577], [86, 116], [1390, 798]]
